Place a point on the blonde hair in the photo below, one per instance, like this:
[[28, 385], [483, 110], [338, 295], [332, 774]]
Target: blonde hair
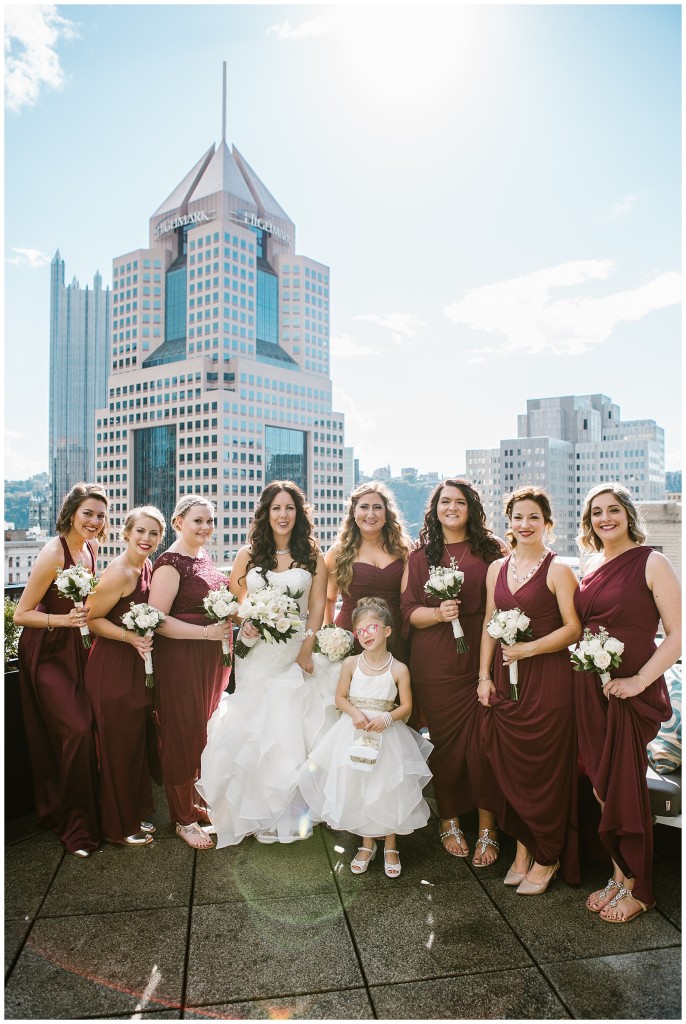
[[373, 606], [138, 513], [587, 539], [183, 504], [397, 540]]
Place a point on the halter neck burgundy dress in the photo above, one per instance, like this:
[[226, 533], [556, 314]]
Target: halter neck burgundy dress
[[531, 743], [59, 723], [613, 733], [115, 684]]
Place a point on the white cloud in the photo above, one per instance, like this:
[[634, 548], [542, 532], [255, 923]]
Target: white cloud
[[314, 27], [17, 465], [623, 206], [32, 32], [344, 346], [29, 258], [401, 325], [528, 317], [361, 422], [673, 461]]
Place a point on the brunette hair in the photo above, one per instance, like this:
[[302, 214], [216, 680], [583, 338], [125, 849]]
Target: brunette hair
[[481, 539], [303, 546], [396, 539], [528, 493], [77, 495], [138, 513], [373, 606], [587, 539]]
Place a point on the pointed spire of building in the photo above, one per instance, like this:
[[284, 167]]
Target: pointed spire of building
[[178, 200], [222, 175], [266, 203]]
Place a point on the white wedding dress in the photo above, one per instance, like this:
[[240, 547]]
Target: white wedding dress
[[260, 736]]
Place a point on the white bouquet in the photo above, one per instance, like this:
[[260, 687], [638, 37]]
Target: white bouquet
[[274, 612], [143, 619], [220, 605], [510, 627], [76, 583], [334, 642], [597, 652], [445, 583]]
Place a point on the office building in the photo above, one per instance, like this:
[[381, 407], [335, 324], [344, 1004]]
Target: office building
[[568, 445], [219, 378], [79, 358]]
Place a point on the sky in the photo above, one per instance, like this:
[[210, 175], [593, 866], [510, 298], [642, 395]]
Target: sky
[[496, 190]]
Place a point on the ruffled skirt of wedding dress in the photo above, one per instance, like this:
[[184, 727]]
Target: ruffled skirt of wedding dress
[[257, 740]]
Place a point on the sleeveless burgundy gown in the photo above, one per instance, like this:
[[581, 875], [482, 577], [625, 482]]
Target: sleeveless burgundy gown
[[190, 678], [370, 581], [59, 724], [445, 681], [613, 734], [115, 685], [531, 743]]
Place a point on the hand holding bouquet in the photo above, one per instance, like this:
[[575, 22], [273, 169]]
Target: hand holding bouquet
[[445, 583], [76, 583], [510, 627], [334, 642], [143, 619], [597, 653], [220, 605], [273, 612]]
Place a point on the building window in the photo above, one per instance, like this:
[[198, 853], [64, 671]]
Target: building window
[[155, 469], [286, 455]]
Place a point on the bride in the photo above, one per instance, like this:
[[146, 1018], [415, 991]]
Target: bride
[[261, 735]]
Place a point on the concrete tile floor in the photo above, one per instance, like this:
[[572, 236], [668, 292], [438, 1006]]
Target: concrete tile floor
[[271, 932]]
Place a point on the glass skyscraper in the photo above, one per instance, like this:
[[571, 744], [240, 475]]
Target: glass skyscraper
[[219, 375], [79, 363]]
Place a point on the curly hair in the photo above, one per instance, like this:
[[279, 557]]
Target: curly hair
[[140, 512], [303, 546], [481, 539], [396, 539], [373, 606], [528, 493], [77, 495], [587, 539]]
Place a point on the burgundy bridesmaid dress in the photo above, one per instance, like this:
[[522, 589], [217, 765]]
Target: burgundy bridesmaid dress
[[531, 743], [613, 733], [190, 678], [371, 581], [115, 685], [59, 724], [445, 681]]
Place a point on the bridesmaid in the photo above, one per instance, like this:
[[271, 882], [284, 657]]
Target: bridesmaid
[[52, 661], [531, 743], [189, 676], [115, 683], [628, 588], [443, 679], [368, 559]]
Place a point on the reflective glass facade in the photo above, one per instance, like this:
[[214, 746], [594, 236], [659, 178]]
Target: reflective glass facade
[[267, 307], [285, 455], [155, 471]]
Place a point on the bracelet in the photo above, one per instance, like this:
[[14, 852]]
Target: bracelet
[[484, 679], [645, 685], [205, 628], [123, 636], [49, 627], [387, 717]]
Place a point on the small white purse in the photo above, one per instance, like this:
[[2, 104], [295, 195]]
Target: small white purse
[[365, 750]]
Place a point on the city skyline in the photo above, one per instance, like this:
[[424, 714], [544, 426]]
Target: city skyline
[[496, 192]]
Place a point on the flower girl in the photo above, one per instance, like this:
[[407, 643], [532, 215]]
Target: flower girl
[[367, 774]]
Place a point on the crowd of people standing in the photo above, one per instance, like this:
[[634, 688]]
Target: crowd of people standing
[[268, 761]]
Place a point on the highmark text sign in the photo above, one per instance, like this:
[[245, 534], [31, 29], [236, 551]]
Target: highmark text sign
[[200, 217], [247, 217]]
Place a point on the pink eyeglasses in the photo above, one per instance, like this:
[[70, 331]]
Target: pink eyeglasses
[[367, 630]]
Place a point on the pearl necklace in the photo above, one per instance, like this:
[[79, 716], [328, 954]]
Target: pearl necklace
[[380, 668], [513, 567], [286, 551]]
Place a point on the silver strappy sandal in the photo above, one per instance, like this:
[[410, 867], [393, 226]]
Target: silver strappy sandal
[[484, 841], [455, 831]]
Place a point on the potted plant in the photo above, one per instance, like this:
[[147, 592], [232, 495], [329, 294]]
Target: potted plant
[[18, 777]]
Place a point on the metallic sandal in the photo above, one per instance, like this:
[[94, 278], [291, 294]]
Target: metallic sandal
[[484, 841], [643, 907], [457, 833], [602, 893]]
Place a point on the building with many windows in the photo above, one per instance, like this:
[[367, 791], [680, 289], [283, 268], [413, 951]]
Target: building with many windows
[[79, 357], [568, 445], [219, 377]]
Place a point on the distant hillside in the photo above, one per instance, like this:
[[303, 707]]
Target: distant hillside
[[17, 494], [411, 499]]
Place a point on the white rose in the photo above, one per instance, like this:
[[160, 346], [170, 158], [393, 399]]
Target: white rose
[[282, 625], [602, 660], [594, 646], [614, 646], [221, 609], [448, 579], [495, 629], [523, 622]]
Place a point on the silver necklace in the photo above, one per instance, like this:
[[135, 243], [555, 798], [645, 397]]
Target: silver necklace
[[513, 567], [286, 551], [380, 668], [451, 559]]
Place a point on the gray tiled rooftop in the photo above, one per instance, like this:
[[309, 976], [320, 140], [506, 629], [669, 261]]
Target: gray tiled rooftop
[[274, 932]]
